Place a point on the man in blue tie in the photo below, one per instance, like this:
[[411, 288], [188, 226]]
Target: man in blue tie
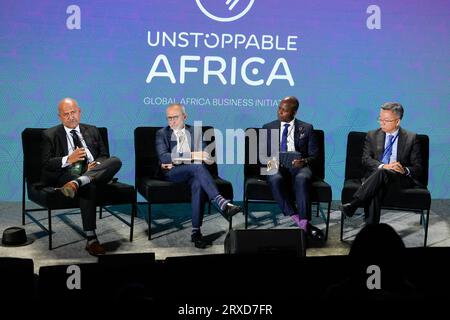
[[291, 183], [392, 159]]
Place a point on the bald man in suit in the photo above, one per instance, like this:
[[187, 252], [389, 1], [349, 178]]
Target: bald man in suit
[[76, 162]]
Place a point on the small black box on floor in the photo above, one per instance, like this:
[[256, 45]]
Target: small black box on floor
[[266, 241]]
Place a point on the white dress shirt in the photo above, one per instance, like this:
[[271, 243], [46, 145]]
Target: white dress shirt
[[183, 145], [394, 155], [290, 137], [71, 146]]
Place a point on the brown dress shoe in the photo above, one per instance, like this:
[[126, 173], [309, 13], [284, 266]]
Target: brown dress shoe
[[69, 189], [95, 248]]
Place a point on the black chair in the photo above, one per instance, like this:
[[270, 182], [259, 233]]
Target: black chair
[[415, 199], [150, 184], [257, 189], [115, 193]]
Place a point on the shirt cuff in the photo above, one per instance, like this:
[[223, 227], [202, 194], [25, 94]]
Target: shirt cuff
[[408, 172], [64, 162], [381, 166]]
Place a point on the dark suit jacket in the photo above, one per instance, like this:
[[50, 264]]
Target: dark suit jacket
[[304, 139], [54, 148], [408, 152], [165, 143]]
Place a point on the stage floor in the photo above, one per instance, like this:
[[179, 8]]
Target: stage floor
[[172, 226]]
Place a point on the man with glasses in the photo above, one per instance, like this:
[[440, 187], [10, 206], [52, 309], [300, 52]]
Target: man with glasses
[[180, 151], [392, 160], [75, 160]]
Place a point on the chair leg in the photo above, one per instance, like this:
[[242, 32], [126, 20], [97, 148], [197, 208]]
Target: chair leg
[[50, 244], [421, 217], [230, 226], [23, 202], [328, 220], [342, 225], [100, 215], [137, 210], [318, 208], [133, 213], [426, 228], [149, 221], [246, 212]]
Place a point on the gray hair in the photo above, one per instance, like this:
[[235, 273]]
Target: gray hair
[[183, 110], [395, 107]]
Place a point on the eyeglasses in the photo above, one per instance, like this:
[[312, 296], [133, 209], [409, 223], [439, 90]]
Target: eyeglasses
[[174, 118], [68, 114], [386, 120]]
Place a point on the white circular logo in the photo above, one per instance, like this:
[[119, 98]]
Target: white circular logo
[[229, 5]]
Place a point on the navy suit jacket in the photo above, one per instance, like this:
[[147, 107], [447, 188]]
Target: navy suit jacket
[[304, 139], [408, 152], [166, 142], [54, 147]]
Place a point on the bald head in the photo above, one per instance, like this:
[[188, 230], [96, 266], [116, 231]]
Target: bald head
[[287, 109], [69, 113]]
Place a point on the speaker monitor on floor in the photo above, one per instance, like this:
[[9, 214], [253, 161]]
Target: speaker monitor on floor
[[266, 241], [17, 279]]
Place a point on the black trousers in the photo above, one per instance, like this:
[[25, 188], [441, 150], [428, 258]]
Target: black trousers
[[375, 187], [87, 194]]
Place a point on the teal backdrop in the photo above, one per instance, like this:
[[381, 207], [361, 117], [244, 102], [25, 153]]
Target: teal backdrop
[[342, 59]]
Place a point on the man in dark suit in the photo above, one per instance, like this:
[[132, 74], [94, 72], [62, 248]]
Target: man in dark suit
[[291, 183], [178, 142], [75, 161], [392, 160]]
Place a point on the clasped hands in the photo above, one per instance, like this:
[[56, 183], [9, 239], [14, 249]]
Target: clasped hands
[[78, 155], [195, 156], [395, 166], [297, 163]]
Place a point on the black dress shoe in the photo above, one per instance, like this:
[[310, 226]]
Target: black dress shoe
[[199, 241], [230, 210], [315, 234], [348, 209]]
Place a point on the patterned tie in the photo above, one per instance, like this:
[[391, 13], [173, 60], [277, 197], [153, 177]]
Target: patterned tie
[[76, 139], [284, 138], [388, 152], [80, 166], [183, 143]]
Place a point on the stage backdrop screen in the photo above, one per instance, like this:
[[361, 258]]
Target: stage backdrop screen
[[229, 62]]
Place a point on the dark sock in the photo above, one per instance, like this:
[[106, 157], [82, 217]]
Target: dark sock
[[91, 236]]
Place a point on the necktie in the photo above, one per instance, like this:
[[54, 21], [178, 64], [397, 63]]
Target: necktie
[[76, 139], [388, 152], [284, 138], [80, 166], [183, 144]]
